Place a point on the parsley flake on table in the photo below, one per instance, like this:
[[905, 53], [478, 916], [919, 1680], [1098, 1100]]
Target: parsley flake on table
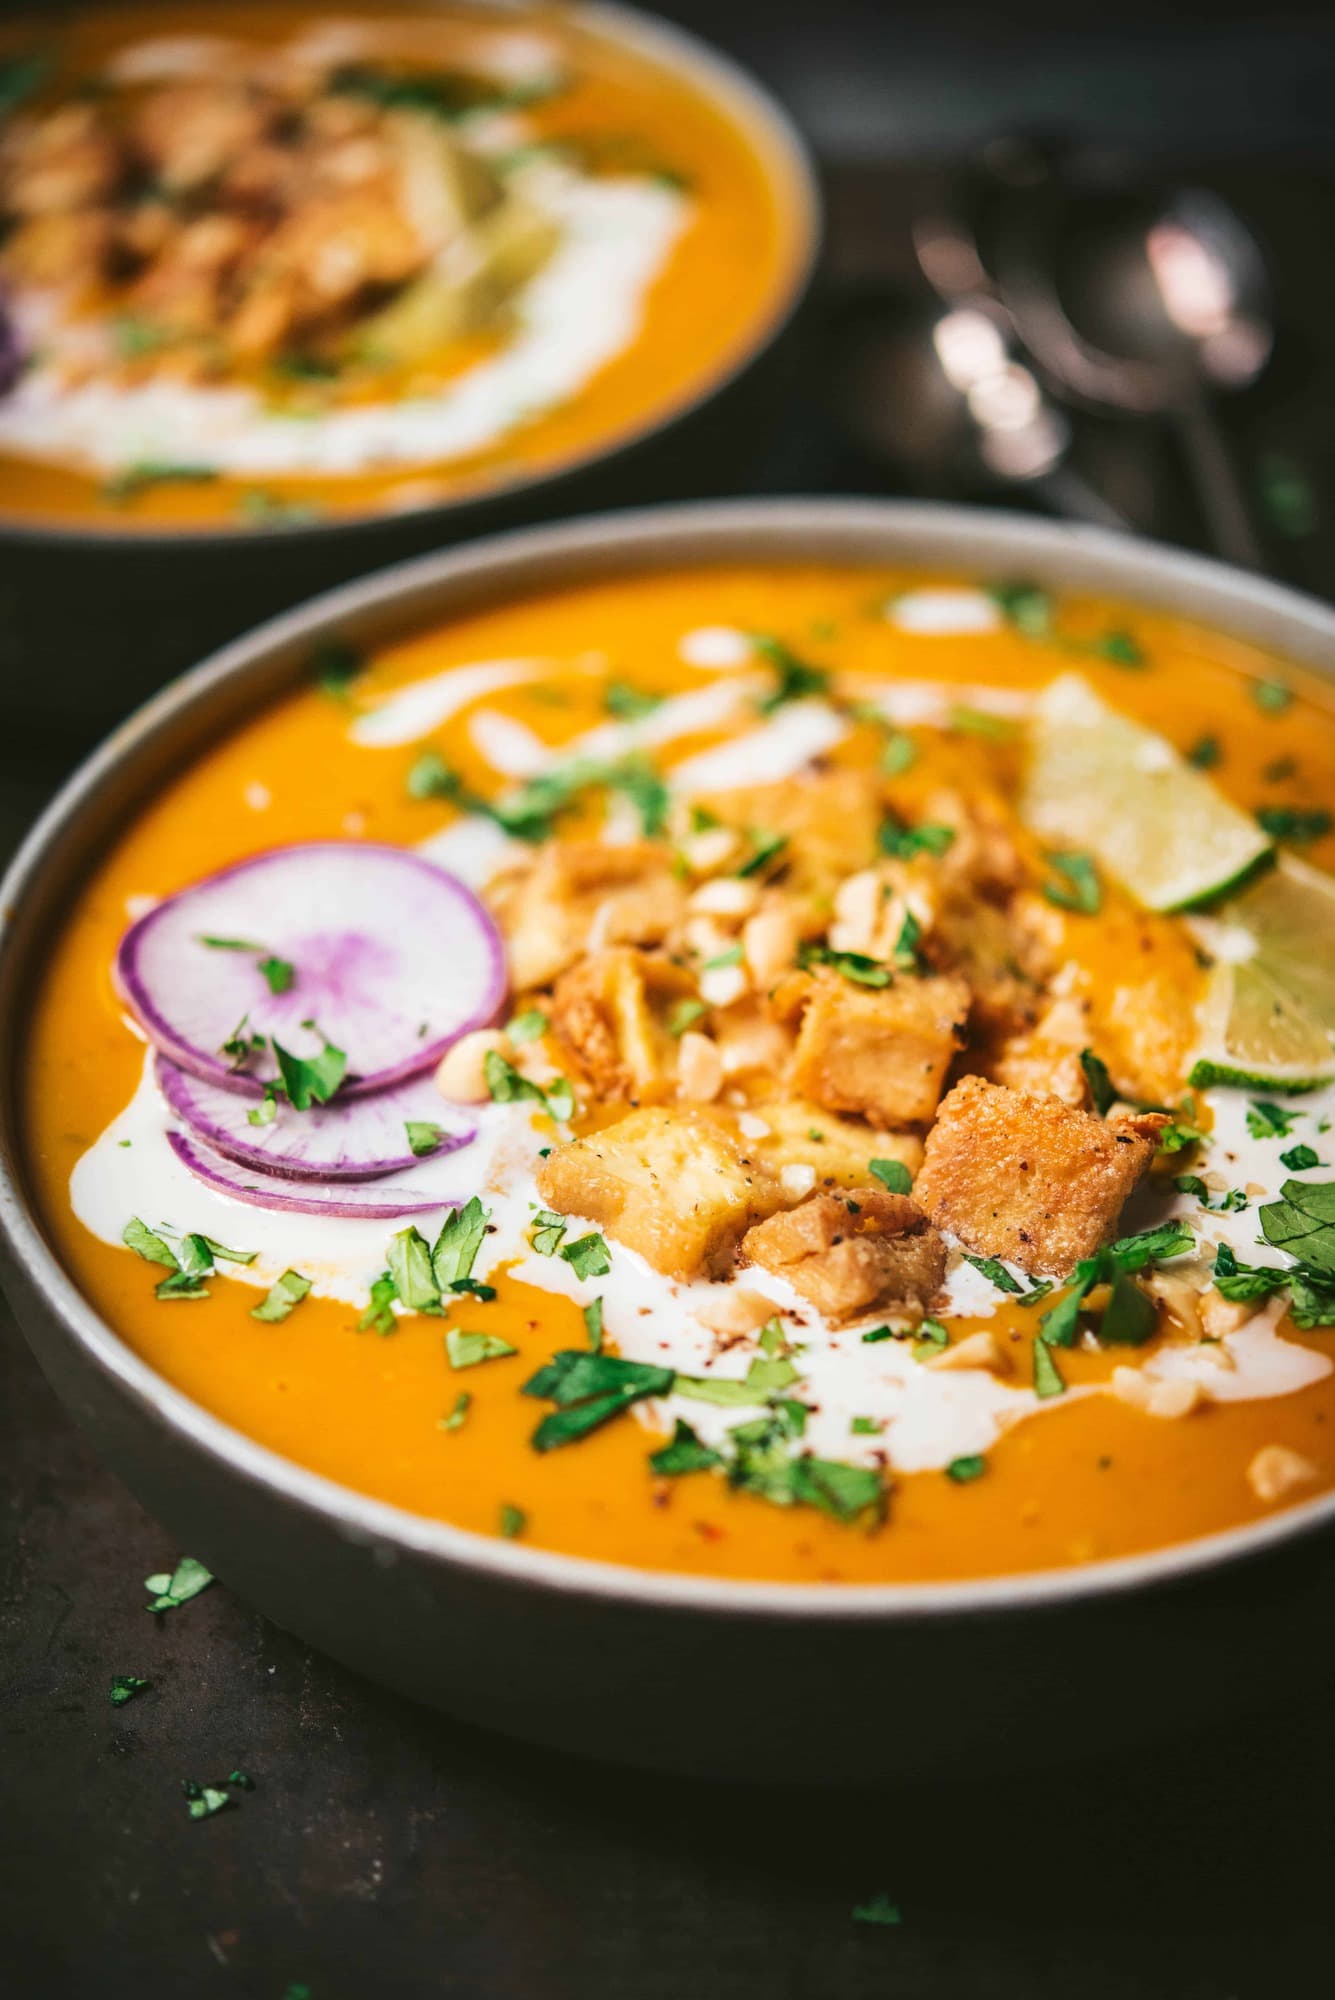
[[170, 1589], [878, 1910], [124, 1687], [203, 1801]]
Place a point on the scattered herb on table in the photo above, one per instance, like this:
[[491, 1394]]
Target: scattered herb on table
[[171, 1589], [878, 1910], [124, 1687]]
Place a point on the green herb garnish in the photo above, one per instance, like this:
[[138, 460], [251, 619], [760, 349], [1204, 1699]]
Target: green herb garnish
[[513, 1521], [1102, 1089], [627, 702], [880, 1910], [588, 1389], [1299, 1158], [1272, 696], [795, 679], [379, 1313], [285, 1293], [309, 1080], [424, 1136], [1269, 1121], [507, 1086], [902, 842], [1204, 753], [124, 1687], [1047, 1375], [547, 1229], [993, 1269], [593, 1323], [892, 1174], [972, 1466], [469, 1350], [854, 966], [528, 1026], [1079, 889], [587, 1256], [683, 1016], [766, 848], [171, 1589], [684, 1453]]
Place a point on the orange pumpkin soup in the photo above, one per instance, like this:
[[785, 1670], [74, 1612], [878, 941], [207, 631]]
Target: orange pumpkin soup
[[866, 1169], [266, 263]]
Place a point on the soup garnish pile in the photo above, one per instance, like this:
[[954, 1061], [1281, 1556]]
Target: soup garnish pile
[[289, 260], [782, 1072]]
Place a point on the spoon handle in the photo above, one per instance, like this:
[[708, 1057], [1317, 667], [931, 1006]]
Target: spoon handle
[[1218, 488], [1065, 492]]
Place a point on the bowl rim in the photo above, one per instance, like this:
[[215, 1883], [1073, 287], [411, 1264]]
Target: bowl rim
[[788, 168], [925, 534]]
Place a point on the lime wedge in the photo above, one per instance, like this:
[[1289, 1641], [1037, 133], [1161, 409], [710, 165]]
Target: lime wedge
[[1098, 781], [1269, 1014]]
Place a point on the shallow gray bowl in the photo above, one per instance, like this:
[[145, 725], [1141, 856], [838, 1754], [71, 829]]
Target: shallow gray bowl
[[682, 1673]]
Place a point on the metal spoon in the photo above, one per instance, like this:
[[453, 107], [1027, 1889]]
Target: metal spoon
[[939, 392], [1148, 305]]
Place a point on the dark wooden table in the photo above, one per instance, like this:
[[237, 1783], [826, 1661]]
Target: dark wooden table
[[387, 1852]]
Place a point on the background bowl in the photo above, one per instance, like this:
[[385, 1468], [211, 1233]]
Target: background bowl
[[112, 613], [679, 1673]]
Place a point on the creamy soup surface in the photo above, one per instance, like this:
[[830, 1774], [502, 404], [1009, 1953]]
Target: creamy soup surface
[[262, 264], [845, 1199]]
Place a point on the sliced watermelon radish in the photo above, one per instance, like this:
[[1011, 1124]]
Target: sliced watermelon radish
[[347, 1198], [355, 1140], [371, 949]]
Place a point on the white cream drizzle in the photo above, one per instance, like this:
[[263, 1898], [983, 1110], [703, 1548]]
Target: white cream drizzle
[[943, 613], [412, 712]]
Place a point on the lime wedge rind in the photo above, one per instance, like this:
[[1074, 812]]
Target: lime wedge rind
[[1269, 1015]]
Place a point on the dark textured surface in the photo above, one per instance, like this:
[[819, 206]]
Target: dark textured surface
[[388, 1852]]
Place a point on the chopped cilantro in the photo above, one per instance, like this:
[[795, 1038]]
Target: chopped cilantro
[[513, 1521], [507, 1086], [547, 1229], [593, 1323], [424, 1136], [455, 1421], [867, 1426], [280, 973], [285, 1292], [410, 1266], [334, 666], [627, 702], [878, 1333], [149, 472], [766, 847], [903, 842], [904, 953], [1102, 1089], [1119, 647], [683, 1016], [1047, 1375], [1026, 606], [1272, 696], [309, 1080], [1294, 823], [1080, 888], [124, 1687], [969, 721], [854, 966], [588, 1389], [972, 1466], [1129, 1318], [892, 1174], [995, 1270], [794, 679], [587, 1256], [1299, 1158], [455, 1249], [723, 959], [897, 754], [932, 1337], [379, 1313], [1269, 1121], [204, 1800], [469, 1350], [684, 1453], [1205, 753], [879, 1910], [169, 1590], [528, 1026], [1229, 1204], [1244, 1282], [140, 1238]]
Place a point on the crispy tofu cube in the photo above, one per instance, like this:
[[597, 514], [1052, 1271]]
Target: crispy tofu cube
[[837, 1149], [581, 895], [852, 1254], [883, 1052], [1030, 1178], [829, 818], [672, 1185], [1045, 1060], [609, 1013]]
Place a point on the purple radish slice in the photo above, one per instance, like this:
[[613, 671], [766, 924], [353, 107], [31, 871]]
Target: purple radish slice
[[341, 1141], [371, 1199], [389, 956]]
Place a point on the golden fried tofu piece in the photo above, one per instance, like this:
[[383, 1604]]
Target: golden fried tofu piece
[[1045, 1059], [670, 1184], [829, 819], [583, 894], [880, 1051], [1001, 951], [1028, 1177], [805, 1134], [851, 1254], [609, 1013]]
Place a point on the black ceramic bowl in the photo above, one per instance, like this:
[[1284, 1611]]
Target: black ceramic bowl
[[93, 619], [685, 1673]]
